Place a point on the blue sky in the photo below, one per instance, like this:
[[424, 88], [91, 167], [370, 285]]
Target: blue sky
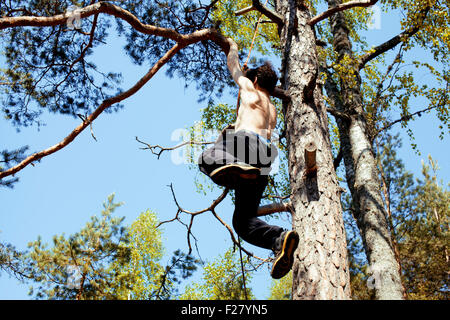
[[61, 193]]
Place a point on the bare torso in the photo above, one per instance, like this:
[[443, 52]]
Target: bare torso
[[256, 113]]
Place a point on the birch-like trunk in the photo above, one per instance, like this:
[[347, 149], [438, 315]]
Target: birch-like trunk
[[320, 269], [362, 173]]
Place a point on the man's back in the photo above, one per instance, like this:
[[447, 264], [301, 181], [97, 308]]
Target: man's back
[[256, 112]]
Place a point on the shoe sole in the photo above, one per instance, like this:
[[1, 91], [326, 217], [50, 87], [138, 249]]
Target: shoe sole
[[283, 263], [230, 174]]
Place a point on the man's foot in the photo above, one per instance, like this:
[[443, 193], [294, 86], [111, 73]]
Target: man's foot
[[284, 254], [231, 174]]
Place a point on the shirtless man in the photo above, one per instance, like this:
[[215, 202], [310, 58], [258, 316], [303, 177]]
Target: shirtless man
[[241, 160]]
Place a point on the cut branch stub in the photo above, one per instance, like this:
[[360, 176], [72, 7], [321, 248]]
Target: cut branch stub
[[274, 208], [310, 160]]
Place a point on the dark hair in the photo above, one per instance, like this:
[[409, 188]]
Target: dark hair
[[266, 76]]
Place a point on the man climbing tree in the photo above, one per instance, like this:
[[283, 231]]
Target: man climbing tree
[[241, 160], [47, 68]]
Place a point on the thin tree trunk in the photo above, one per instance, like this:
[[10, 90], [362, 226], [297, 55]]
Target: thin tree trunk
[[387, 205], [321, 267], [362, 174]]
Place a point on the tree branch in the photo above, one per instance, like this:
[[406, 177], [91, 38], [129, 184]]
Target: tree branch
[[105, 104], [152, 148], [83, 51], [262, 211], [281, 94], [338, 159], [274, 208], [393, 42], [108, 8], [386, 46], [406, 118], [341, 7], [271, 14], [118, 12], [339, 114]]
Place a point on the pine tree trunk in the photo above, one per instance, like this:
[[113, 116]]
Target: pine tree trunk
[[321, 268], [362, 173]]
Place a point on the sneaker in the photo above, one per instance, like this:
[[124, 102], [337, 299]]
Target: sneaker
[[231, 174], [284, 254]]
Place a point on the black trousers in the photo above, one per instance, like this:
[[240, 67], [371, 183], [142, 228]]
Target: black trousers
[[245, 221], [245, 146]]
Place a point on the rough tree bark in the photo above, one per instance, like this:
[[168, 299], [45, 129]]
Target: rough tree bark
[[321, 267], [361, 170]]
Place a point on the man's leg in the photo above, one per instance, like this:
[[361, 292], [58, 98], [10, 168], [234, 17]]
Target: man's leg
[[245, 221]]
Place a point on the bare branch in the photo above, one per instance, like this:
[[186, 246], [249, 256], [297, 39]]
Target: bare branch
[[211, 209], [153, 148], [341, 7], [244, 11], [337, 110]]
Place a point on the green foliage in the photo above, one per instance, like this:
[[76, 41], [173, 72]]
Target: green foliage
[[9, 158], [221, 280], [281, 289], [241, 28], [14, 263], [392, 84], [78, 267], [143, 270], [425, 239], [203, 63], [47, 69], [103, 261]]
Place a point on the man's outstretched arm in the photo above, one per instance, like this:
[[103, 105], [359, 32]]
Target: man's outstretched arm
[[235, 68]]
